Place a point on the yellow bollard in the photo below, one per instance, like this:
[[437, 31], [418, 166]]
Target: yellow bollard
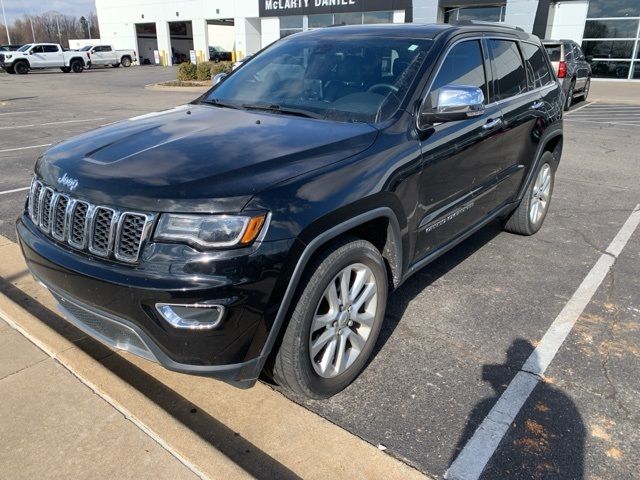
[[233, 56]]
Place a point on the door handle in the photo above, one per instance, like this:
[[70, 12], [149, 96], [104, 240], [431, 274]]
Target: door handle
[[492, 123], [537, 105]]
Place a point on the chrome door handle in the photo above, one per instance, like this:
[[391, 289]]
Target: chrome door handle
[[491, 124], [537, 105]]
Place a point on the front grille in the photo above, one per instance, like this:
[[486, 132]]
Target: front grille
[[101, 230], [1, 58]]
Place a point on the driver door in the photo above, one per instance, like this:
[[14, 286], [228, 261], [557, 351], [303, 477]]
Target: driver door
[[460, 159]]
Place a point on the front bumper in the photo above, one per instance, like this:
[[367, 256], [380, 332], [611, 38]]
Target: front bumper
[[115, 303]]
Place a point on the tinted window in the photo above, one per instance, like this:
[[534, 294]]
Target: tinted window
[[554, 52], [464, 65], [507, 63], [50, 48], [537, 68], [608, 49], [613, 8], [610, 28], [37, 49]]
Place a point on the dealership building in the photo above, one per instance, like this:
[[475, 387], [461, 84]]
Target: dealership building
[[167, 31]]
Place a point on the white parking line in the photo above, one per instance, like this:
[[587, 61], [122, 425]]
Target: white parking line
[[612, 122], [579, 108], [23, 112], [21, 189], [480, 448], [52, 123], [25, 148]]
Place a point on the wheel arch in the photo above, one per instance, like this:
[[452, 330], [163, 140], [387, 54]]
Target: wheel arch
[[21, 60], [73, 59], [366, 225], [552, 142]]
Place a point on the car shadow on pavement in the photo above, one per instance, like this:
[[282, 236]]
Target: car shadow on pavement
[[546, 440], [257, 463]]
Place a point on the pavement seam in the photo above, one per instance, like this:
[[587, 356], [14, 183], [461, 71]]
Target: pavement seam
[[116, 405], [23, 368]]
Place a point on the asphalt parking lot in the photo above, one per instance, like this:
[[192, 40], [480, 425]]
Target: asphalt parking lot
[[459, 331]]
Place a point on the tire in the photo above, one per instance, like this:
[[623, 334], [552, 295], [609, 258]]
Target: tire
[[585, 91], [21, 68], [126, 62], [324, 376], [569, 100], [523, 220], [76, 66], [65, 69]]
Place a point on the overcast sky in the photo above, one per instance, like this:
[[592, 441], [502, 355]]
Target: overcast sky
[[17, 8]]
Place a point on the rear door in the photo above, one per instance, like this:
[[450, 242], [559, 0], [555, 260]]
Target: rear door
[[52, 56], [108, 55], [522, 107], [458, 158], [581, 66]]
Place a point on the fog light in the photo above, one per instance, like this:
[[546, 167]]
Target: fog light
[[197, 316]]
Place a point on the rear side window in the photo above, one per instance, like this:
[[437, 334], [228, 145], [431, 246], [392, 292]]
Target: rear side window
[[554, 52], [464, 65], [50, 48], [509, 70], [537, 67]]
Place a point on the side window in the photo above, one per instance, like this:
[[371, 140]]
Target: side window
[[50, 48], [464, 65], [509, 70], [106, 49], [537, 67], [37, 49], [568, 53]]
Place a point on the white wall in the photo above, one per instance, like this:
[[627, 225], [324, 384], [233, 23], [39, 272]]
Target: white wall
[[521, 13], [567, 20], [425, 11], [223, 36], [78, 43], [270, 30]]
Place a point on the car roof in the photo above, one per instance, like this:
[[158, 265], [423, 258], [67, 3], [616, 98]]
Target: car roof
[[419, 30]]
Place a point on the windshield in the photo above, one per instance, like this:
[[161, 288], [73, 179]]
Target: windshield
[[86, 48], [344, 77], [24, 48]]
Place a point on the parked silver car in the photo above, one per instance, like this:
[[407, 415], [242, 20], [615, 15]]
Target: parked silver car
[[572, 68]]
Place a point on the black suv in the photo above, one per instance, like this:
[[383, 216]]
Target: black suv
[[261, 227], [571, 67]]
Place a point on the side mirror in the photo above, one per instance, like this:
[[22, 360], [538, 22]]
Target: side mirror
[[454, 102], [218, 78]]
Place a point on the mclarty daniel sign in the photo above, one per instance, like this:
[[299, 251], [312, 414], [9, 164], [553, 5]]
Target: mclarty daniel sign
[[276, 8]]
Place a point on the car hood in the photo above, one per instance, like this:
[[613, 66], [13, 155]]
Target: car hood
[[196, 157]]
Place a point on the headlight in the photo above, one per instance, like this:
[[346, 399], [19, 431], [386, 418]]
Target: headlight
[[7, 57], [209, 231]]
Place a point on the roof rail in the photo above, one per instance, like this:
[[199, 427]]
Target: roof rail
[[485, 23]]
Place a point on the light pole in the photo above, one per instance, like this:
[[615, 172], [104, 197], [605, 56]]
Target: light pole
[[32, 31], [4, 16]]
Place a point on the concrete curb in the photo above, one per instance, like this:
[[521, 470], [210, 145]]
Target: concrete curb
[[166, 88], [215, 430]]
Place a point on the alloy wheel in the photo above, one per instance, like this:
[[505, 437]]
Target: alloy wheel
[[540, 194], [343, 320]]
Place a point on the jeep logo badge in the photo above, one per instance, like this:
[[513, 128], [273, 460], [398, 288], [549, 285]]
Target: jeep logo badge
[[69, 182]]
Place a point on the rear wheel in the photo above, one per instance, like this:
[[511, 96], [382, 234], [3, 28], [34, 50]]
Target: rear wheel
[[569, 100], [336, 320], [126, 62], [528, 218], [587, 87], [21, 68], [76, 66]]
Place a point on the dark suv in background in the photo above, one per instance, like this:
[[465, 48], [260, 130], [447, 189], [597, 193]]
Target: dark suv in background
[[571, 67], [261, 227]]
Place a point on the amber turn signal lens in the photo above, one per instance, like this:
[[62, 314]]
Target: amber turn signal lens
[[253, 229]]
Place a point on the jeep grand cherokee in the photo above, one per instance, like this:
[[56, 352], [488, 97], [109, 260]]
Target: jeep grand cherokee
[[261, 227]]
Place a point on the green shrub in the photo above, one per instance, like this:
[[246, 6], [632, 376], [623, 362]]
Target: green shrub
[[204, 70], [221, 67], [187, 71]]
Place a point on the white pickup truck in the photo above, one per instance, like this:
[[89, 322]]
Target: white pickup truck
[[107, 55], [43, 55]]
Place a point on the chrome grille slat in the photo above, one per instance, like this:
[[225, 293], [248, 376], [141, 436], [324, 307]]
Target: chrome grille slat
[[101, 230]]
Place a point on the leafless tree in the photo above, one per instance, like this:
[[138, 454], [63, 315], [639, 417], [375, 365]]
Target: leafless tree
[[51, 27]]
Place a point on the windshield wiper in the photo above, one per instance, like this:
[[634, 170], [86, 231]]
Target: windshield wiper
[[220, 103], [280, 109]]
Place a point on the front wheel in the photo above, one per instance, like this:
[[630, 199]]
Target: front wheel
[[21, 68], [336, 320], [528, 218]]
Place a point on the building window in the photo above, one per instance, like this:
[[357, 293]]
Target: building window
[[322, 20], [377, 17], [612, 45], [491, 13], [290, 25], [348, 18]]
